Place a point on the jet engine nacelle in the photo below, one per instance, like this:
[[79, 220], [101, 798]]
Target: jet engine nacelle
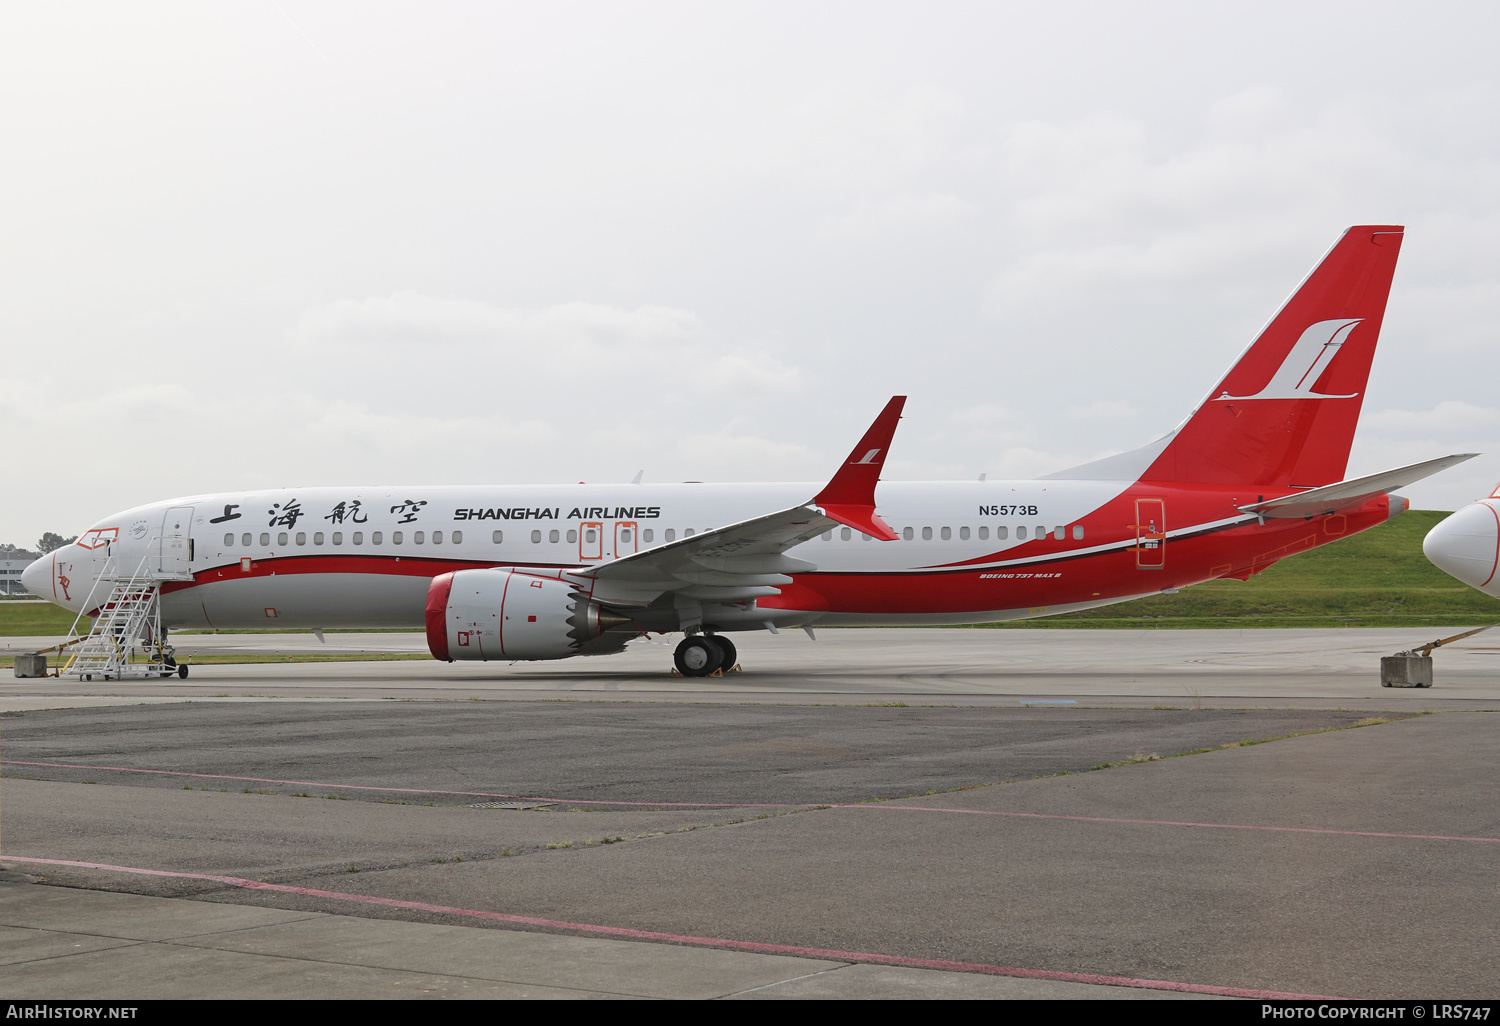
[[498, 614]]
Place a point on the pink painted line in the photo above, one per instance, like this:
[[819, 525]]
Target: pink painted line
[[1173, 822], [756, 805], [408, 790], [705, 942]]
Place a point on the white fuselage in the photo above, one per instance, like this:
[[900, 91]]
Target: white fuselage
[[363, 557]]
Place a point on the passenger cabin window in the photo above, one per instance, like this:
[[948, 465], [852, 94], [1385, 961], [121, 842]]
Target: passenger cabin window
[[374, 537], [554, 537], [845, 534], [497, 537], [1021, 533], [458, 537], [1041, 531], [229, 541], [359, 538], [417, 537], [1078, 532], [908, 533], [984, 532], [1059, 532], [866, 537], [828, 536], [395, 537], [947, 534], [301, 537], [281, 539], [927, 534], [317, 537], [647, 536], [437, 537], [244, 541], [671, 534], [624, 535], [338, 537], [591, 535], [1004, 532], [265, 540], [963, 534], [689, 533], [536, 537], [572, 536]]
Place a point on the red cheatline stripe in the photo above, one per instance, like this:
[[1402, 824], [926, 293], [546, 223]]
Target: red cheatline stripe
[[706, 942], [409, 790], [1176, 823]]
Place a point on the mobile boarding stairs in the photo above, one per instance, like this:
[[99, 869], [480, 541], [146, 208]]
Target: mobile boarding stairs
[[126, 640]]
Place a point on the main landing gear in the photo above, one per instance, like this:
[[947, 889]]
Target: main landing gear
[[701, 655]]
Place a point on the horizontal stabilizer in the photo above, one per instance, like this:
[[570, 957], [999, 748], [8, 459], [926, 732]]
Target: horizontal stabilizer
[[1349, 494]]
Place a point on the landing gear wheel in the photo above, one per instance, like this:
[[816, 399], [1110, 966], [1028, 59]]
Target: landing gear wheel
[[730, 655], [182, 670], [697, 656]]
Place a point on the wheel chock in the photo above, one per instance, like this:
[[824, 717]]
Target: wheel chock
[[736, 669], [676, 672], [717, 673]]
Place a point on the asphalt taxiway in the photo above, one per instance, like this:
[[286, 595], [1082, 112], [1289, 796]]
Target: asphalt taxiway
[[877, 813]]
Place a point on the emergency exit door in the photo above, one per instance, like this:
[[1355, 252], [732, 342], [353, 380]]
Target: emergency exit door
[[591, 540], [1150, 534], [627, 537]]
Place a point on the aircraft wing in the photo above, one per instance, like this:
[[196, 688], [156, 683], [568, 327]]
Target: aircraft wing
[[748, 559], [1349, 494]]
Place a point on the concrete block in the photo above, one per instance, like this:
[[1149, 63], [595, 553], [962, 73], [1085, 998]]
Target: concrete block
[[31, 664], [1406, 671]]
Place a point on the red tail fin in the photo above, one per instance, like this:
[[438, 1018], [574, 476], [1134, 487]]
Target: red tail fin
[[1284, 415]]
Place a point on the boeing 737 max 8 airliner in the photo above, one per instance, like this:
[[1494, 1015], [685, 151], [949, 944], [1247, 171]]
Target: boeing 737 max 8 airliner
[[1253, 475]]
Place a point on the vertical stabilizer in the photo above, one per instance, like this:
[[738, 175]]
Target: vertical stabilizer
[[1284, 415]]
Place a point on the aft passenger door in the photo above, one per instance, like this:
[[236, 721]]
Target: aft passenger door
[[1150, 534]]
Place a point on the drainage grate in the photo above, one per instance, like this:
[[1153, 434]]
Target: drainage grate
[[514, 806]]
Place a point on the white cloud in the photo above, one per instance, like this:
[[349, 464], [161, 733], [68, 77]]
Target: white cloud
[[902, 214], [1446, 418], [1108, 409], [521, 243]]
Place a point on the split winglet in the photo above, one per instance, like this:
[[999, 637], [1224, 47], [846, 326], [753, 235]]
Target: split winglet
[[850, 497]]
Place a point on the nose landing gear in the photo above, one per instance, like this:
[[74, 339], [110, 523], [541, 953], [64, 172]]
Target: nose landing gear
[[702, 655]]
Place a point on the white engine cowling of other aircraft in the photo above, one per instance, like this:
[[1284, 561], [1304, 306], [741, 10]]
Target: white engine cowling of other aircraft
[[498, 614], [1466, 545]]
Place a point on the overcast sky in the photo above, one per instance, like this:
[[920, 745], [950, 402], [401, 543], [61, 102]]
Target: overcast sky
[[261, 244]]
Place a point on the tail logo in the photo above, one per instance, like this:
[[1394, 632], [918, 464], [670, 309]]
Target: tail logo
[[869, 458], [1306, 362]]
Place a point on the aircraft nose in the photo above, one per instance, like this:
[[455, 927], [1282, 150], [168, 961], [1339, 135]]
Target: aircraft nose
[[1467, 544], [37, 578]]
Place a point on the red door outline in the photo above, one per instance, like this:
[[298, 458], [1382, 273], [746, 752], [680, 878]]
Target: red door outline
[[591, 540], [627, 537], [1150, 534]]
